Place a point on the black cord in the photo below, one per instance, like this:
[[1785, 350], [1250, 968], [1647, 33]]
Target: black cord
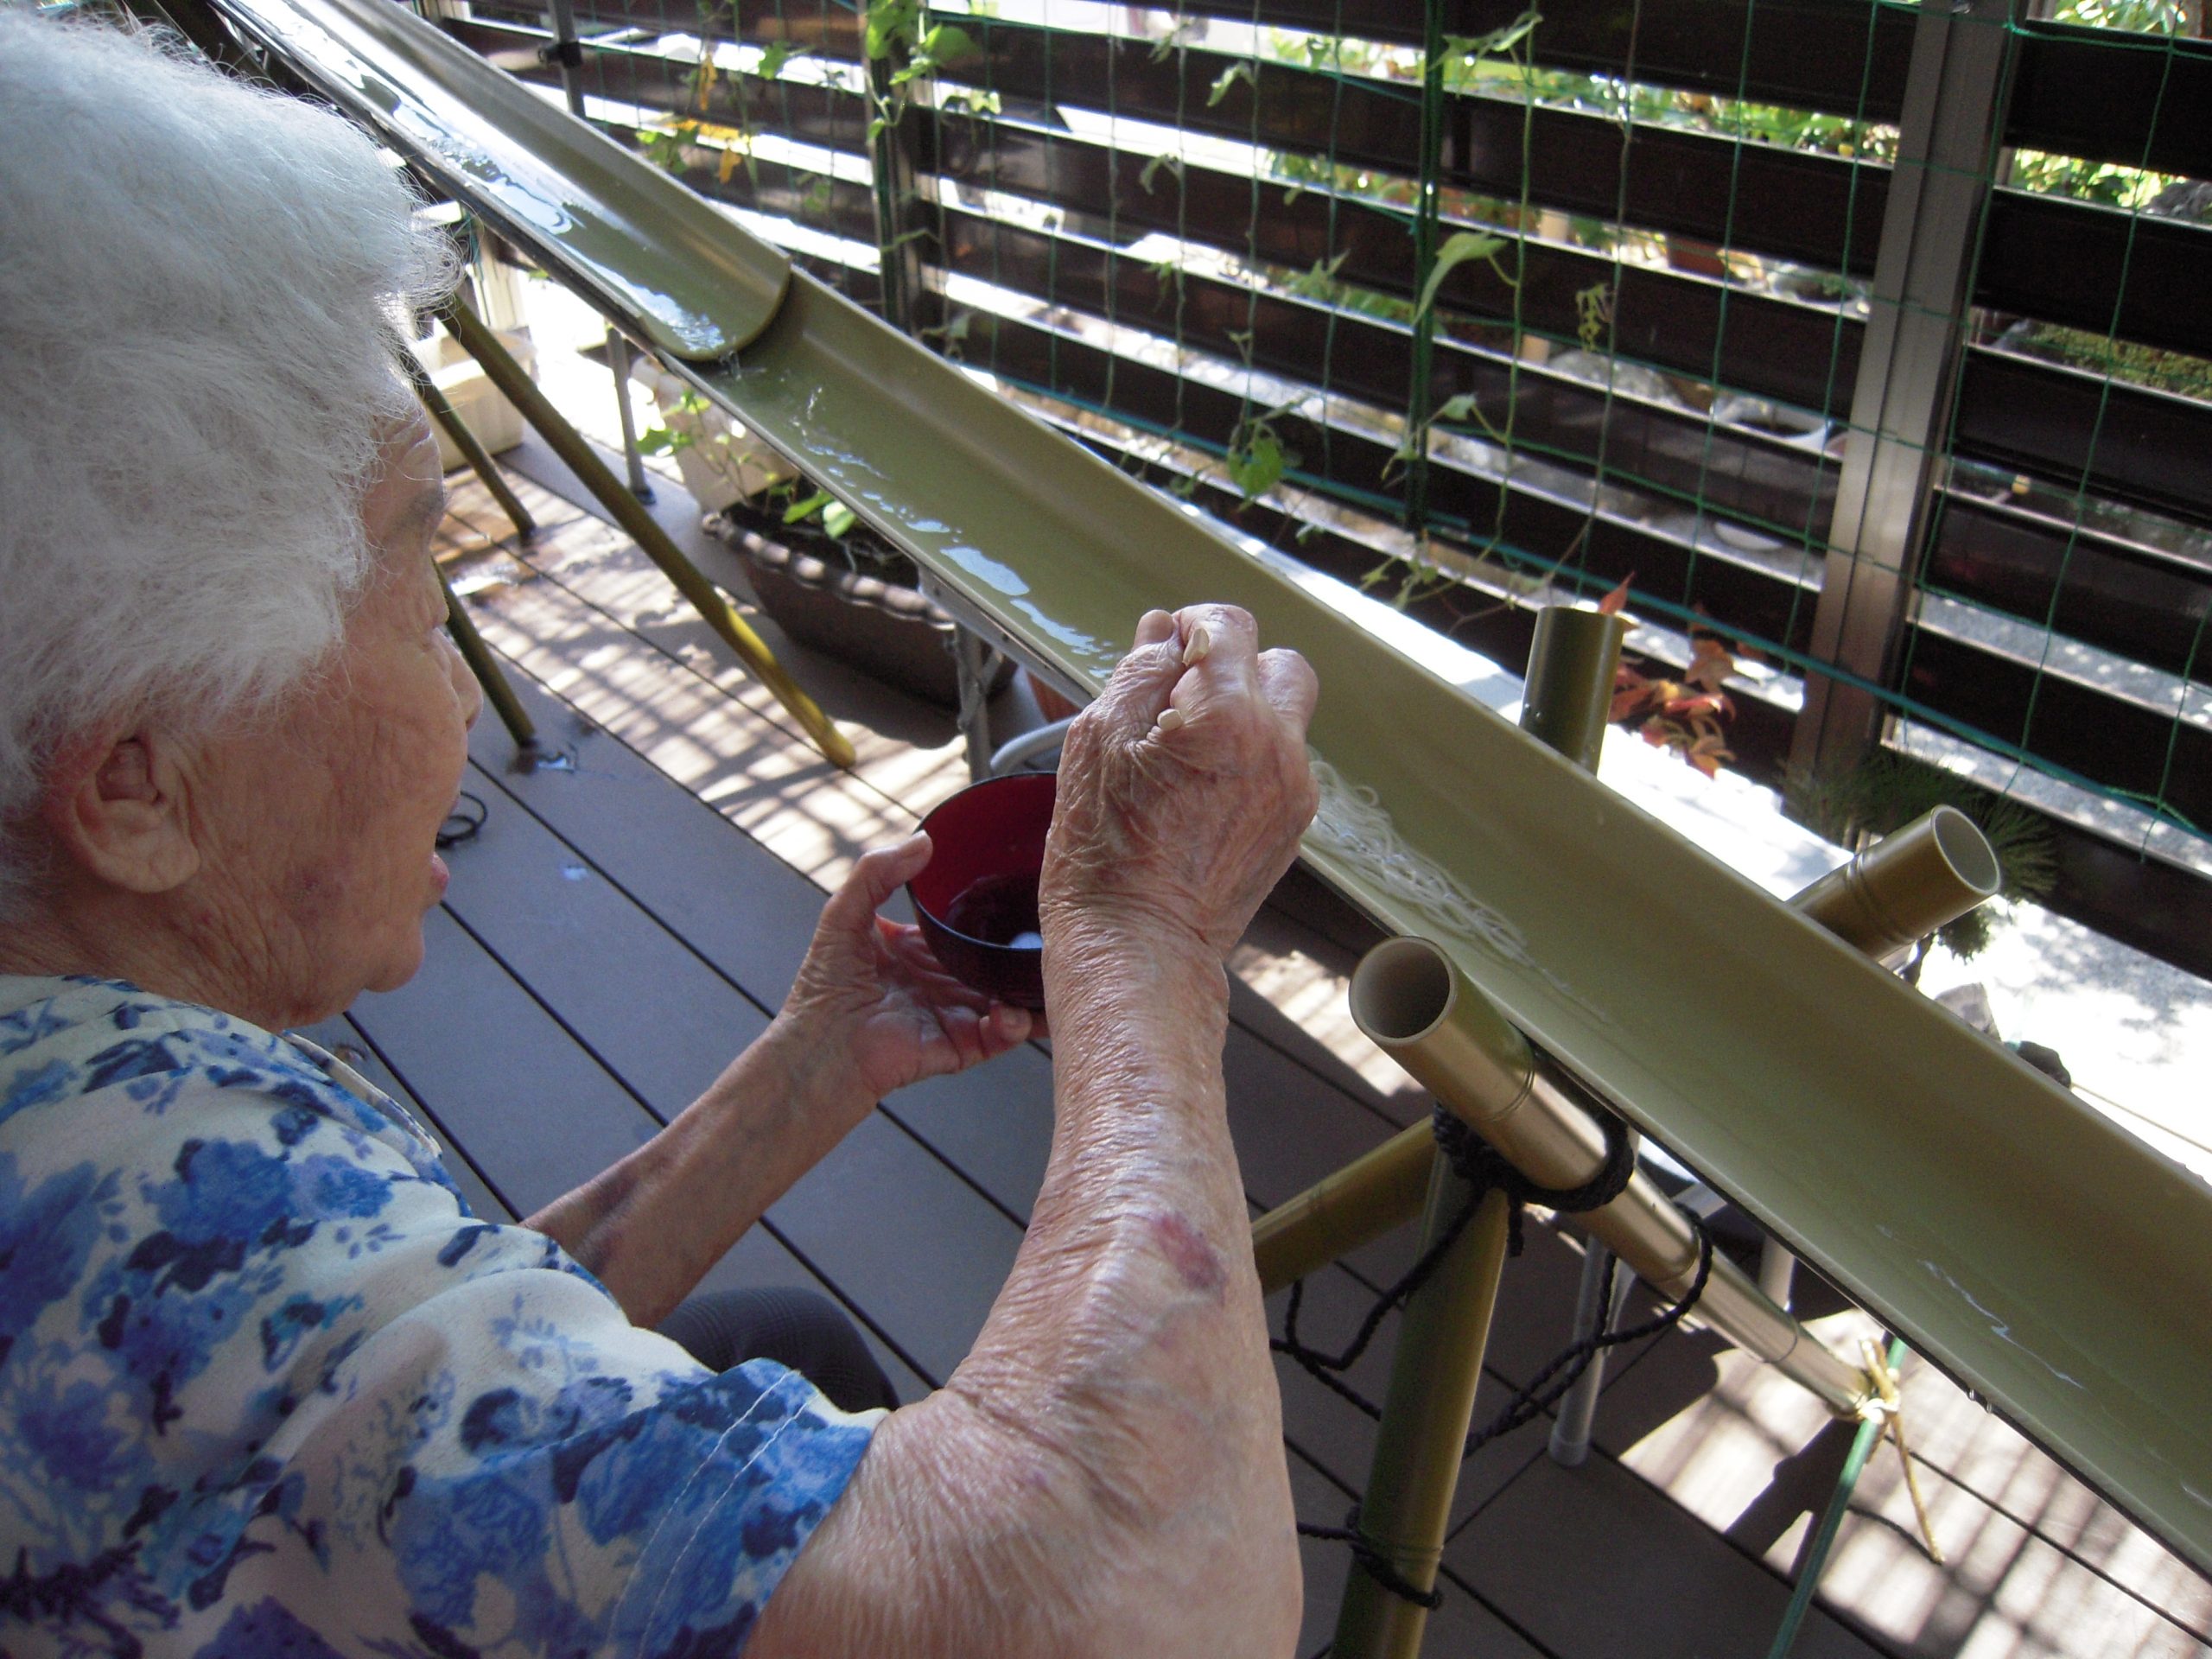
[[463, 822], [1483, 1168], [1376, 1563]]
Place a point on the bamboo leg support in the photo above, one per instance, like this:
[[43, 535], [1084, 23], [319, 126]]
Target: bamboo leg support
[[1337, 1214], [478, 341], [1433, 1375], [478, 458], [489, 675]]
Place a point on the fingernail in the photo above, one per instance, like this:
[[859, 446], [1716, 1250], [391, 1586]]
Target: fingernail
[[1015, 1022], [1171, 720], [1199, 644]]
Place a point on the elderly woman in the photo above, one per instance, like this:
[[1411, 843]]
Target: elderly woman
[[265, 1386]]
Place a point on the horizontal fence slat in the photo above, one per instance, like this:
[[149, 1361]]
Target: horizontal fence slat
[[2133, 601], [2090, 732], [2136, 275], [1806, 54], [1603, 550], [826, 31], [1559, 415], [2144, 447], [1793, 352], [1814, 209], [2110, 95], [828, 115]]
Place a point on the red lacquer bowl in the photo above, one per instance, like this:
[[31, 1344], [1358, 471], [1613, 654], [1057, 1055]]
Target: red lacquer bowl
[[977, 900]]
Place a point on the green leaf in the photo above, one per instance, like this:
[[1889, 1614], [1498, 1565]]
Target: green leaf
[[1226, 79], [947, 42], [775, 56], [1458, 249], [837, 519], [1258, 467], [1173, 163], [1461, 408], [808, 508]]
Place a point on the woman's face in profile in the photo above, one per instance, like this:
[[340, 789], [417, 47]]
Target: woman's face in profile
[[323, 820]]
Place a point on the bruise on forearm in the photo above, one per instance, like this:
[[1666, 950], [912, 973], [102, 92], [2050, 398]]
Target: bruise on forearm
[[582, 1222]]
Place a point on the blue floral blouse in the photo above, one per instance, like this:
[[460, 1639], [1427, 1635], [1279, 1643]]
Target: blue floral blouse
[[267, 1389]]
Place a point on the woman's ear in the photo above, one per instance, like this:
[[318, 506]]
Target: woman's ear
[[117, 811]]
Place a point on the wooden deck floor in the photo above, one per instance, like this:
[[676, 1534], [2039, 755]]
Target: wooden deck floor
[[635, 906]]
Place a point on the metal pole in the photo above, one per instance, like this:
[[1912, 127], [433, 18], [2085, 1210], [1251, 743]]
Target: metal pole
[[618, 358], [1594, 1313], [489, 675], [567, 442], [568, 52], [478, 458], [1431, 1401], [971, 657], [1908, 371], [1778, 1271]]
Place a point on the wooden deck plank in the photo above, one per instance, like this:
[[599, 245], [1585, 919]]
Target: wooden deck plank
[[1595, 1563], [1756, 1458], [899, 1234], [655, 1015], [342, 1038], [535, 1112], [1463, 1628]]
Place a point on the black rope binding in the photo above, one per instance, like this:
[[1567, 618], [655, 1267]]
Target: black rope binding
[[1483, 1168], [1376, 1563], [463, 822]]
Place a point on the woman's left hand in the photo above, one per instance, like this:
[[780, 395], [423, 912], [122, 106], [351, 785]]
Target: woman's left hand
[[872, 1007]]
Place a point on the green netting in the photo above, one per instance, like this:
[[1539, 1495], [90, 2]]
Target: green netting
[[1472, 317]]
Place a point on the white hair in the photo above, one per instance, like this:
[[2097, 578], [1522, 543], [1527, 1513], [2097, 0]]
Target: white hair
[[203, 285]]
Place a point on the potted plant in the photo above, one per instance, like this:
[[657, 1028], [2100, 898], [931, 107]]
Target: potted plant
[[825, 579]]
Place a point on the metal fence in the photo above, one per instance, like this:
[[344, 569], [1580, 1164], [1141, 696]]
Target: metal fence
[[1868, 343]]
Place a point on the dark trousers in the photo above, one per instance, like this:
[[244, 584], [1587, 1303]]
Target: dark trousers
[[806, 1331]]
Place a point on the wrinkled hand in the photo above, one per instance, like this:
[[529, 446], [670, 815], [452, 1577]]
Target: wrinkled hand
[[871, 1007], [1185, 788]]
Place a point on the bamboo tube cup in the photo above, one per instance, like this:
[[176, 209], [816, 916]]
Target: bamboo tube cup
[[1413, 1002], [1572, 660], [1906, 885]]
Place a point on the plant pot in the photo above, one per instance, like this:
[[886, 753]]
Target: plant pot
[[889, 633]]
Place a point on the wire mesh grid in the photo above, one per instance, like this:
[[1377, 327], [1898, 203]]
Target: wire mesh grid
[[1477, 307]]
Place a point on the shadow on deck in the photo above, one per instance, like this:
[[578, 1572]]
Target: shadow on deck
[[633, 910]]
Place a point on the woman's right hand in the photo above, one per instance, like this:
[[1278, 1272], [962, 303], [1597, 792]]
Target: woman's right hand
[[1183, 788]]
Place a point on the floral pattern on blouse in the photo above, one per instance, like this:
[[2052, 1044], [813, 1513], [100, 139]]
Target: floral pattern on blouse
[[267, 1388]]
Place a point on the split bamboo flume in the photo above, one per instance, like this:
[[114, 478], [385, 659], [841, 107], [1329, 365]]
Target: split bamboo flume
[[1412, 1001]]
